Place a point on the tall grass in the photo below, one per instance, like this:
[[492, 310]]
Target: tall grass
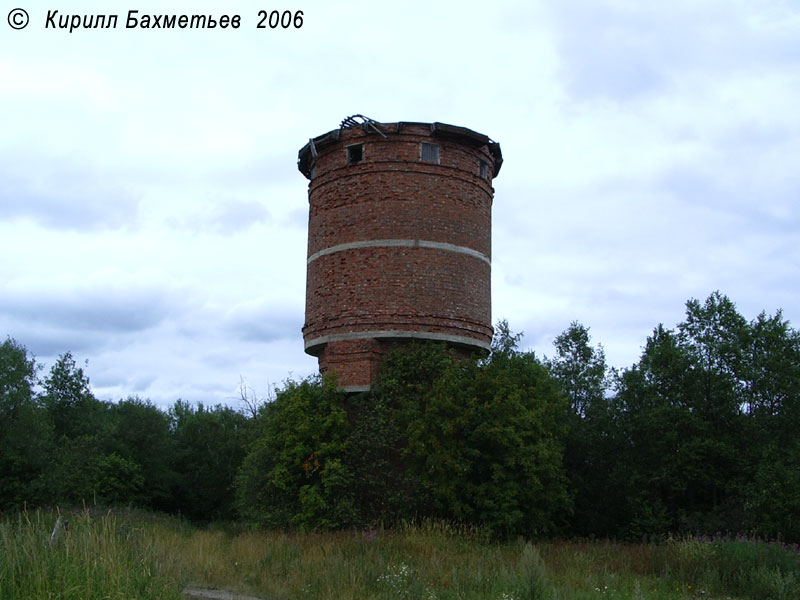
[[129, 556], [98, 557], [758, 569], [440, 561], [742, 569], [432, 561]]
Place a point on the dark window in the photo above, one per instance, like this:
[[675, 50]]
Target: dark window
[[483, 169], [355, 153], [429, 152]]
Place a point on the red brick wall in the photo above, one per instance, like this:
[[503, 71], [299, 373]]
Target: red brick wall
[[355, 362], [432, 280]]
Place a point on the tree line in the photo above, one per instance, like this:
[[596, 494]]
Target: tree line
[[698, 436], [61, 445]]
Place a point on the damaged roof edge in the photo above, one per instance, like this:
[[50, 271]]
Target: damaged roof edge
[[307, 154]]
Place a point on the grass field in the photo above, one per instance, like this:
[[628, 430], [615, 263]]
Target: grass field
[[129, 555]]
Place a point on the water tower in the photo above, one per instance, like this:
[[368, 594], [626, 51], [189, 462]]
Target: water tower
[[399, 241]]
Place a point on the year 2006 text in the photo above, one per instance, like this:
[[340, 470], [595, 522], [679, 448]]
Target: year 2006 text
[[280, 19]]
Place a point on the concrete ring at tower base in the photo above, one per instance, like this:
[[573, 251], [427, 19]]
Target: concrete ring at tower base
[[459, 340]]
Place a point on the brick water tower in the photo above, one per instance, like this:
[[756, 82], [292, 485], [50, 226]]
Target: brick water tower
[[399, 241]]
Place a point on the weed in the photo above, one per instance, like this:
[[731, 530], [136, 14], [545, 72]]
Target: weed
[[535, 581], [397, 580], [128, 555], [95, 558]]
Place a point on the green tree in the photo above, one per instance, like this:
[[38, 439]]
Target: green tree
[[482, 439], [208, 447], [442, 435], [141, 436], [116, 480], [83, 429], [652, 414], [25, 431], [70, 401], [383, 489], [716, 338], [681, 410], [592, 443], [772, 401], [579, 368], [294, 474], [772, 374]]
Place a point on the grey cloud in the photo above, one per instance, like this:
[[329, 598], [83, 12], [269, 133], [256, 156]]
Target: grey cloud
[[297, 219], [45, 343], [267, 170], [265, 321], [235, 216], [117, 374], [64, 196], [225, 217], [104, 310], [760, 136], [743, 201], [50, 322], [624, 50], [609, 52]]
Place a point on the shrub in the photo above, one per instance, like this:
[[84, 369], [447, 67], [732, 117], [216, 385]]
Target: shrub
[[441, 436]]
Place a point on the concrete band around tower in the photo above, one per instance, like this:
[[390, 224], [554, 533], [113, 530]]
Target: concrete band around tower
[[399, 242]]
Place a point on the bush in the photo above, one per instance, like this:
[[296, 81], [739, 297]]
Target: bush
[[294, 475], [441, 436], [484, 440]]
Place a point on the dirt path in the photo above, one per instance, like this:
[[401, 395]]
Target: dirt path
[[192, 593]]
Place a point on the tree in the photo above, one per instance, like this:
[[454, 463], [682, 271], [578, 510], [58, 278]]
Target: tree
[[772, 372], [25, 432], [716, 337], [592, 444], [441, 435], [681, 414], [579, 368], [655, 426], [384, 490], [772, 402], [70, 402], [142, 438], [294, 474], [482, 440], [116, 480], [208, 447], [83, 429]]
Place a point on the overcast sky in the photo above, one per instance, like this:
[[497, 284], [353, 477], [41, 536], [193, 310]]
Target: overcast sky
[[153, 220]]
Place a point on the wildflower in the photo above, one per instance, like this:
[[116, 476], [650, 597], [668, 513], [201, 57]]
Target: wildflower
[[397, 577]]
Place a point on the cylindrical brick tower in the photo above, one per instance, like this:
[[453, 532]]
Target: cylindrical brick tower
[[399, 241]]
